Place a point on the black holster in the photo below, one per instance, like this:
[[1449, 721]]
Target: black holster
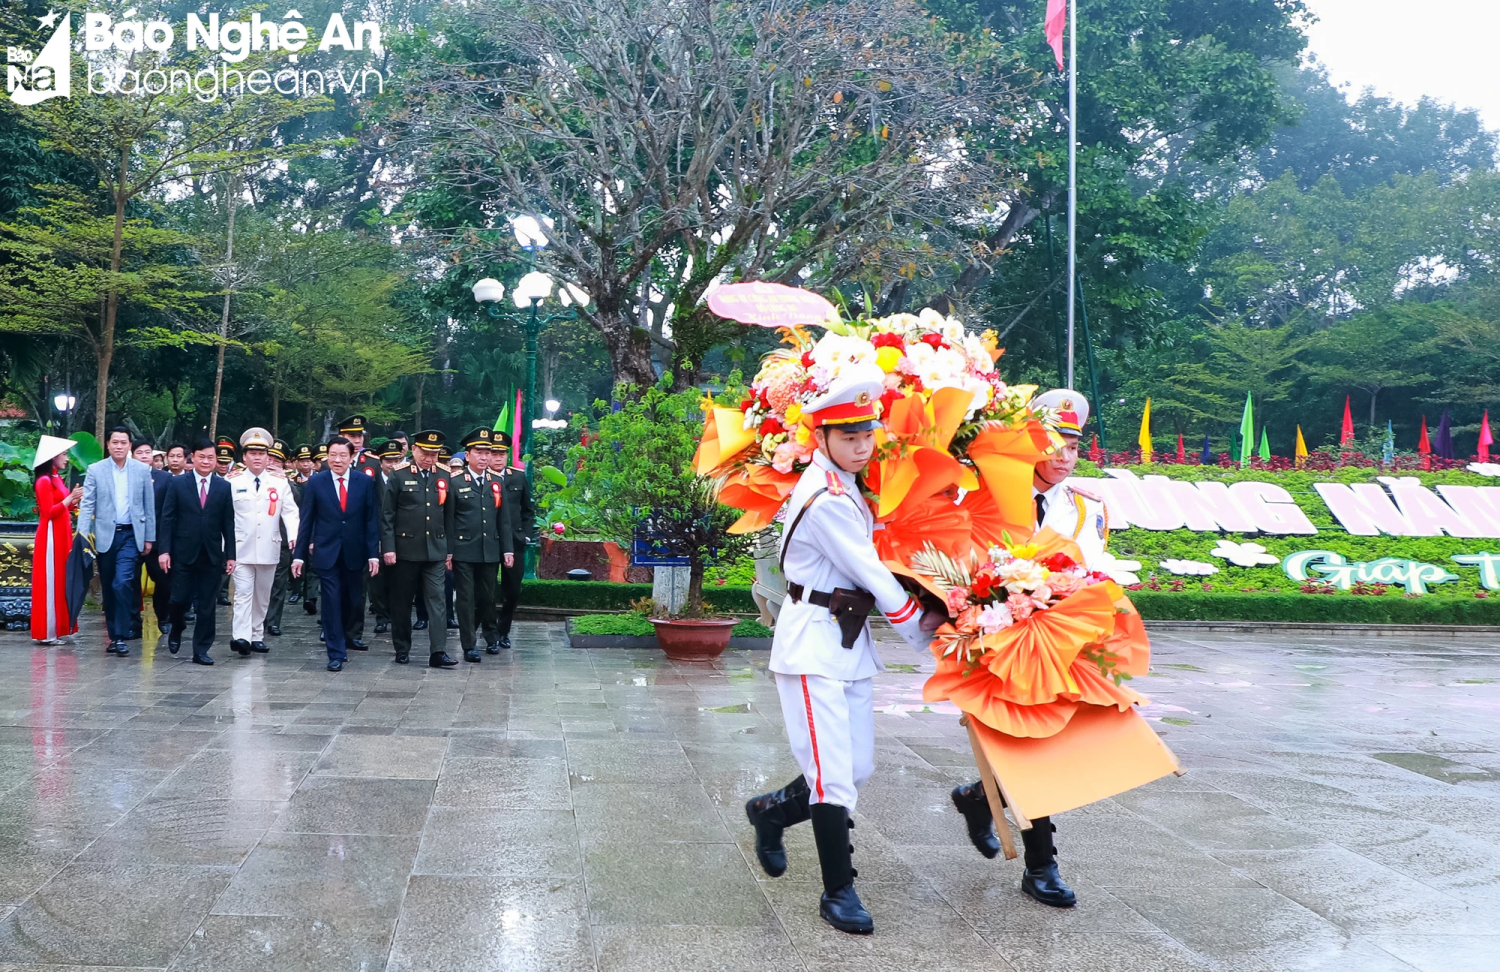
[[851, 609]]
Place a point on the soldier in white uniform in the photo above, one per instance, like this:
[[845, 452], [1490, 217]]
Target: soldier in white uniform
[[263, 503], [1078, 515], [822, 657]]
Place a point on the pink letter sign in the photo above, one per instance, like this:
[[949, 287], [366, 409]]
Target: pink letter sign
[[771, 305]]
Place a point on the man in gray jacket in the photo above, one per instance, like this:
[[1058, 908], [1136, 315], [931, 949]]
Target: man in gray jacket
[[119, 511]]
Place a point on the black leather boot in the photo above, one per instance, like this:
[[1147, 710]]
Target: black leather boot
[[1042, 880], [840, 906], [972, 803], [770, 814]]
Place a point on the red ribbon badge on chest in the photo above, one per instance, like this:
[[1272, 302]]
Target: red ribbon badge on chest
[[495, 488], [271, 494], [442, 488], [369, 472]]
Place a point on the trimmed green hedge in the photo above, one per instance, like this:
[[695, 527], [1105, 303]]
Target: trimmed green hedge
[[633, 625], [604, 596], [1314, 608]]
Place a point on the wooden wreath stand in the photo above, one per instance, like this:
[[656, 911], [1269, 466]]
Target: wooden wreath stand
[[1100, 753]]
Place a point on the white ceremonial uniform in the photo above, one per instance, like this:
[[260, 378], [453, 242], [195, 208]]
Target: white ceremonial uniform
[[826, 689], [1078, 515], [259, 513]]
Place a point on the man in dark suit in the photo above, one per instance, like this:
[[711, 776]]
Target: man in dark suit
[[161, 595], [196, 544], [517, 532], [341, 529]]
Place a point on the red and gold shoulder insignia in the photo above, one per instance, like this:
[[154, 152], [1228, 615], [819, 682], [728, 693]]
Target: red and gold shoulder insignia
[[835, 484], [1085, 493]]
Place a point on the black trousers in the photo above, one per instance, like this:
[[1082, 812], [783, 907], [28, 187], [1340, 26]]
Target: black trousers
[[410, 580], [196, 583], [510, 591], [342, 589], [380, 598], [474, 587]]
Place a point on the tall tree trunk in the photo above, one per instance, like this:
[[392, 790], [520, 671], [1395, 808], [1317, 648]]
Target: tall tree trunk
[[112, 306], [417, 420], [276, 408], [629, 352], [693, 607], [1373, 393], [232, 201]]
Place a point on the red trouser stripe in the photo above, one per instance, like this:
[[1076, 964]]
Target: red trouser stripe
[[813, 735]]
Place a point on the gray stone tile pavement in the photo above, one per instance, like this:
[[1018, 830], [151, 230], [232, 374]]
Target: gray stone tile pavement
[[552, 809]]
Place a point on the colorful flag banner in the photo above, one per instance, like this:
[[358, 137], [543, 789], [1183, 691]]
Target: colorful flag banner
[[1346, 431], [1181, 451], [1208, 454], [1265, 446], [1388, 449], [1300, 452], [1247, 431], [1144, 439], [1443, 447], [1053, 26], [1485, 438]]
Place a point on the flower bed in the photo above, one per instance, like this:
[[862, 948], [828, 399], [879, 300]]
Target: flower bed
[[634, 630]]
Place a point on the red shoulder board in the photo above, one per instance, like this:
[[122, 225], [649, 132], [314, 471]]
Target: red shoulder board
[[835, 484]]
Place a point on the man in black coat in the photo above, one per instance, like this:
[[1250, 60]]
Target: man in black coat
[[517, 532], [161, 596], [196, 544], [340, 532]]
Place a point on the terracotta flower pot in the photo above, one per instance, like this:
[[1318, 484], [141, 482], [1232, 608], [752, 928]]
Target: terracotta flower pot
[[693, 640]]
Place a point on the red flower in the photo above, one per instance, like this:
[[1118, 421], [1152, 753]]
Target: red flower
[[764, 401], [934, 339], [890, 398], [744, 407], [888, 341], [771, 426], [983, 586], [807, 359], [1059, 561]]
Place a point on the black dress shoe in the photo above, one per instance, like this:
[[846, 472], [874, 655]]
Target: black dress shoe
[[259, 647], [402, 659], [505, 642], [240, 646], [381, 627], [111, 647], [274, 630], [122, 649], [452, 623], [840, 905], [190, 616], [472, 655], [174, 646], [1042, 880], [335, 666], [294, 599], [322, 637], [975, 806], [493, 647], [202, 660], [356, 645], [441, 660], [222, 601], [310, 605], [770, 814], [419, 626]]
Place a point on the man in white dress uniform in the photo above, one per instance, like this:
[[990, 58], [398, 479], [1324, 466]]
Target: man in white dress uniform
[[823, 657], [1079, 515], [263, 503]]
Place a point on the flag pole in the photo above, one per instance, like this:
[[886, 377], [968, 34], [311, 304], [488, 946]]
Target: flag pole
[[1072, 176]]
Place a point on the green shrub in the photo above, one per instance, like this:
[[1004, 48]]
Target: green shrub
[[634, 625], [604, 596], [1314, 608]]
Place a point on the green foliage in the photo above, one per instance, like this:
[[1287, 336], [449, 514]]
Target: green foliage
[[635, 625], [17, 497], [603, 596], [1315, 609]]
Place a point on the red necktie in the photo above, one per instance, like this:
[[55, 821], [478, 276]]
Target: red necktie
[[202, 493], [342, 496]]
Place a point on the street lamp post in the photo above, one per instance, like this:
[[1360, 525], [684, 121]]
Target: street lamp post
[[529, 293]]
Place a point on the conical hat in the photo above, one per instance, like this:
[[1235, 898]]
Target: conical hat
[[50, 448]]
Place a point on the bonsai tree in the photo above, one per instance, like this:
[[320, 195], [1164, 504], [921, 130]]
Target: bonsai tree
[[637, 477]]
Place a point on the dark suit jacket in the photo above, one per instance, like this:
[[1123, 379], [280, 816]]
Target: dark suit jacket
[[350, 535], [189, 532], [159, 480], [517, 512]]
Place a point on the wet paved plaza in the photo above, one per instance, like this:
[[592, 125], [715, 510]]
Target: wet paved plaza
[[579, 810]]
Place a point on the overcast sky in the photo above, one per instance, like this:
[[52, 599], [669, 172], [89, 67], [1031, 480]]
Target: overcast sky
[[1409, 48]]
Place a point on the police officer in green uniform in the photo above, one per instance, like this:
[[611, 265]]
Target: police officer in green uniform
[[518, 529], [390, 454], [414, 532], [281, 458], [476, 545]]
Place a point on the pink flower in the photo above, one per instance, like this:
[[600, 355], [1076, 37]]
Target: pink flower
[[968, 621], [1021, 606], [994, 617], [559, 528], [958, 600], [785, 456]]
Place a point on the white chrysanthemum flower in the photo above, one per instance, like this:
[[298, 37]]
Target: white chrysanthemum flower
[[1243, 554], [1116, 569]]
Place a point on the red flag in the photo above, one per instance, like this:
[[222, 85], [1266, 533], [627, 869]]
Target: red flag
[[1346, 432], [515, 438], [1057, 19], [1485, 438], [1096, 454], [1424, 445], [1181, 452]]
